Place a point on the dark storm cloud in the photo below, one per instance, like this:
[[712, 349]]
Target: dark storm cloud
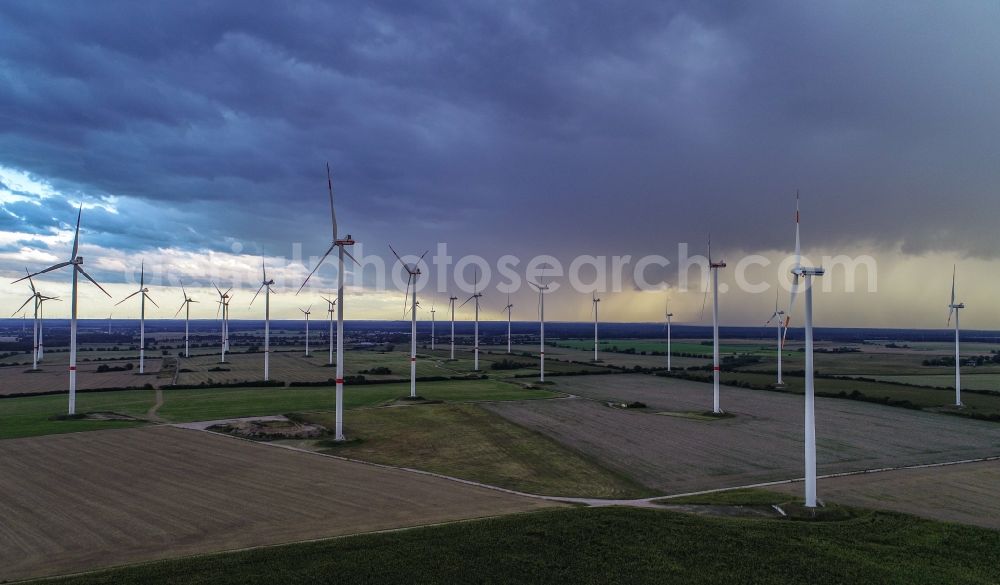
[[557, 127]]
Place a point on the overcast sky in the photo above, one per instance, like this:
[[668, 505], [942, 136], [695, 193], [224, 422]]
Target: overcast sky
[[197, 133]]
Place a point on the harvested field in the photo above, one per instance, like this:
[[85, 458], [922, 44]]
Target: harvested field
[[76, 502], [52, 375], [608, 358], [763, 442], [965, 493]]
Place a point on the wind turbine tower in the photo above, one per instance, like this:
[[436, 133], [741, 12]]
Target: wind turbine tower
[[953, 309], [413, 274], [265, 286], [509, 308], [76, 262], [340, 244], [144, 296]]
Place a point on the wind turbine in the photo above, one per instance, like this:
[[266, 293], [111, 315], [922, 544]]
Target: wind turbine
[[77, 263], [714, 266], [341, 252], [223, 302], [475, 346], [541, 328], [330, 309], [779, 318], [806, 274], [41, 324], [668, 316], [509, 308], [265, 286], [187, 317], [432, 327], [35, 297], [953, 310], [144, 292], [413, 271], [307, 312], [451, 302], [594, 301], [109, 322]]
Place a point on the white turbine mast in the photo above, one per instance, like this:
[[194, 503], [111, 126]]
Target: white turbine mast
[[223, 302], [668, 316], [716, 368], [186, 306], [451, 303], [413, 274], [265, 286], [36, 344], [77, 263], [953, 309], [806, 274], [433, 310], [509, 308], [306, 312], [331, 308], [542, 288], [594, 300], [144, 296], [778, 317], [475, 344], [340, 244]]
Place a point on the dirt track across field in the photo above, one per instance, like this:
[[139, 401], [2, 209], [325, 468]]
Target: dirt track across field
[[82, 501], [965, 493], [763, 442]]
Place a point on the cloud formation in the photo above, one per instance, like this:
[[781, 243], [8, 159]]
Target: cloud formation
[[564, 128]]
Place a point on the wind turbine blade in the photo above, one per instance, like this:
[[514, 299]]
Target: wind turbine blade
[[408, 279], [150, 299], [128, 297], [333, 214], [255, 294], [535, 285], [31, 298], [49, 269], [217, 289], [142, 274], [466, 301], [798, 248], [32, 284], [218, 309], [181, 309], [76, 236], [184, 292], [84, 273], [353, 259], [263, 268], [951, 312], [953, 268], [318, 264], [421, 257]]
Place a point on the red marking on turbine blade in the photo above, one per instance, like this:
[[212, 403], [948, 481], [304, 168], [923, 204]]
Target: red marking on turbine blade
[[340, 380], [541, 353], [796, 216], [716, 369], [72, 368], [413, 359]]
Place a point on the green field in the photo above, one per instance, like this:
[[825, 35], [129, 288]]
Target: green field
[[463, 440], [607, 545], [32, 415], [919, 397], [676, 347], [971, 381]]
